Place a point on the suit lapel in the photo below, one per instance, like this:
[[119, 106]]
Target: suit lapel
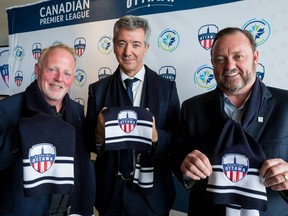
[[256, 129]]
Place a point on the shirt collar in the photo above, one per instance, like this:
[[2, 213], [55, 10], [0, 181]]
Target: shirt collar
[[139, 75]]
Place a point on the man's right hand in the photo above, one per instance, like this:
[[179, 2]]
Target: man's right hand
[[196, 165]]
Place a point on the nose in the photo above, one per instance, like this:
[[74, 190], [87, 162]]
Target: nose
[[127, 50], [58, 76], [230, 64]]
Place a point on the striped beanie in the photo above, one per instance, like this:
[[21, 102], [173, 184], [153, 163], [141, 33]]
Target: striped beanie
[[128, 128]]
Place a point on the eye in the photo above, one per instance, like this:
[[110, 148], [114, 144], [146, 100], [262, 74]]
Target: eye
[[67, 74], [121, 44], [51, 70], [239, 57], [136, 45], [219, 60]]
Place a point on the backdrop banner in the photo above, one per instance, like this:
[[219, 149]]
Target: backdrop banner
[[182, 34], [4, 70]]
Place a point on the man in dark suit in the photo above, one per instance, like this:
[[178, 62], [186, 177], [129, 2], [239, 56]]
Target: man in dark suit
[[45, 166], [116, 193], [233, 149]]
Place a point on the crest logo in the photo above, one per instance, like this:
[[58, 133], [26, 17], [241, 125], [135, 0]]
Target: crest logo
[[105, 45], [36, 50], [56, 42], [4, 68], [235, 166], [33, 77], [42, 157], [127, 120], [168, 40], [104, 72], [204, 77], [81, 77], [260, 71], [168, 72], [206, 35], [260, 29], [18, 78], [18, 53], [80, 46]]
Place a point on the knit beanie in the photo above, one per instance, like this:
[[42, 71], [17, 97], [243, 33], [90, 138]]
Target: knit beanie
[[128, 128]]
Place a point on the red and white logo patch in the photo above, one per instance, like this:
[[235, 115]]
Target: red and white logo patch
[[235, 166]]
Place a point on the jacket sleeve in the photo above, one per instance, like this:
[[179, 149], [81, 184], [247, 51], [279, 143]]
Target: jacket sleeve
[[10, 112]]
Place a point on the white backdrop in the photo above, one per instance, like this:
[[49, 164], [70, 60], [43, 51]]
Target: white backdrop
[[187, 61], [177, 50]]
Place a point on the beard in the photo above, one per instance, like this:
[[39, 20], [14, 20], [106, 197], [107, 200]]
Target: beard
[[234, 84]]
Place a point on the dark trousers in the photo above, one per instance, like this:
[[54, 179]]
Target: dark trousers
[[126, 202]]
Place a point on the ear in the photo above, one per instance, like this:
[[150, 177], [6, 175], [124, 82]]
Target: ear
[[36, 70], [146, 49], [256, 57]]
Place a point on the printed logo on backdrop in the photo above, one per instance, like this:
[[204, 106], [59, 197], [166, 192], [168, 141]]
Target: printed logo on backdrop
[[204, 77], [133, 5], [104, 45], [4, 68], [206, 35], [81, 77], [127, 120], [68, 11], [42, 157], [80, 46], [104, 72], [33, 77], [36, 50], [260, 29], [18, 53], [18, 78], [168, 72], [235, 166], [260, 71], [56, 42], [168, 40], [80, 101]]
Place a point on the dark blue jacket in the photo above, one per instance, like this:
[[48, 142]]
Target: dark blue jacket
[[201, 124], [162, 96], [13, 201]]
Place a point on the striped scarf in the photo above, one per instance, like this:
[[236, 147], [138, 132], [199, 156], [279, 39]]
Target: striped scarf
[[236, 159], [48, 154]]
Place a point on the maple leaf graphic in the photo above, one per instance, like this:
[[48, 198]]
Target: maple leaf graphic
[[259, 33]]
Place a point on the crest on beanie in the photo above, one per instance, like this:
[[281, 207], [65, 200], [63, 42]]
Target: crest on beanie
[[127, 120]]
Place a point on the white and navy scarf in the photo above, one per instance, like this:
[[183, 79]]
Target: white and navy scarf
[[48, 145], [236, 159]]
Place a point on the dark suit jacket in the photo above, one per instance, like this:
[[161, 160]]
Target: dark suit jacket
[[201, 124], [162, 197]]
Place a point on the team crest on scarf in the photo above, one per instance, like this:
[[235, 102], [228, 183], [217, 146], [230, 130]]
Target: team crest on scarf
[[42, 157], [127, 120], [235, 166]]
